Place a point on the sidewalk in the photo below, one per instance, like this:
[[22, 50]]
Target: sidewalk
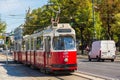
[[82, 56]]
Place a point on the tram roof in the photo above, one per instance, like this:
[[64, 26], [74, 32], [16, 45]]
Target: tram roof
[[50, 29]]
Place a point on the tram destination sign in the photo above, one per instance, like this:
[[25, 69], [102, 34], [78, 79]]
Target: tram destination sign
[[64, 30]]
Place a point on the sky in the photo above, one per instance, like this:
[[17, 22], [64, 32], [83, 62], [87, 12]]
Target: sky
[[13, 11]]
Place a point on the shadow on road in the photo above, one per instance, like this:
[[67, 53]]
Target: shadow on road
[[19, 70]]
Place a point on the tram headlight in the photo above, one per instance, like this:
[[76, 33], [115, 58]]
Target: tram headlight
[[65, 59]]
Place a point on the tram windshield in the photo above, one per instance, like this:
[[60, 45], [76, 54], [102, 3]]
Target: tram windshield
[[63, 43]]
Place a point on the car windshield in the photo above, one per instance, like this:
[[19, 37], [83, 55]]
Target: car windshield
[[63, 43]]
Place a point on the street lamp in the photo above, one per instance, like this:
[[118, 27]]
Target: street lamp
[[93, 14]]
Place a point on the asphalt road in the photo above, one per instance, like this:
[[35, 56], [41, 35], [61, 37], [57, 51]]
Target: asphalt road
[[107, 69]]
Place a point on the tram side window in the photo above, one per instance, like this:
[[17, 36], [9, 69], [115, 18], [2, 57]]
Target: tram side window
[[32, 47], [34, 43], [23, 45], [15, 46], [27, 45], [39, 45], [19, 47]]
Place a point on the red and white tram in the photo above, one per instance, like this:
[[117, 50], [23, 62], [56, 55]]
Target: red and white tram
[[52, 49]]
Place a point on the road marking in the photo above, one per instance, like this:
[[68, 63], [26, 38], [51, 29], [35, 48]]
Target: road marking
[[88, 76]]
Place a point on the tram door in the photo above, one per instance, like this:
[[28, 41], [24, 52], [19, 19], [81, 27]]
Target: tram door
[[47, 50]]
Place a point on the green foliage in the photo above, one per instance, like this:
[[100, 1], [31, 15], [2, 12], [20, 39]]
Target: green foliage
[[108, 9], [106, 18], [98, 27], [116, 25], [37, 19], [2, 26]]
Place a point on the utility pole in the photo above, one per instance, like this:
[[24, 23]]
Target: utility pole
[[93, 14], [108, 20]]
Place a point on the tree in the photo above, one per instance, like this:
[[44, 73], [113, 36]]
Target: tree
[[37, 19], [80, 12], [108, 9], [115, 29], [2, 26]]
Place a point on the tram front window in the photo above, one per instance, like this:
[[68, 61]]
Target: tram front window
[[63, 43]]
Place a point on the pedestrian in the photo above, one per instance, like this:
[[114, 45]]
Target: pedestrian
[[87, 49]]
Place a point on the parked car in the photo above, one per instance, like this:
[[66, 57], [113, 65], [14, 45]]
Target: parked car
[[102, 50]]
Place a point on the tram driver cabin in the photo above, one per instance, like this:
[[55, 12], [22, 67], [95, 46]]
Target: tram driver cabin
[[51, 50]]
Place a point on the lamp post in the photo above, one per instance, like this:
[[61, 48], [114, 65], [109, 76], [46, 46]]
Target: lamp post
[[108, 20], [93, 14]]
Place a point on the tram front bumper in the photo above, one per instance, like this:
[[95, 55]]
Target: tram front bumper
[[64, 67]]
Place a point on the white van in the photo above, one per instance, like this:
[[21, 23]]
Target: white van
[[101, 50]]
